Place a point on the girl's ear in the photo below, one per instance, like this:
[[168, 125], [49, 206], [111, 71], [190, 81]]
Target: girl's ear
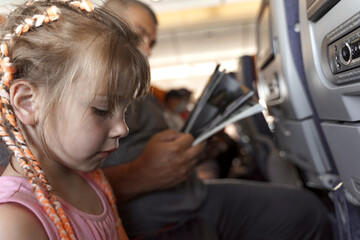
[[22, 99]]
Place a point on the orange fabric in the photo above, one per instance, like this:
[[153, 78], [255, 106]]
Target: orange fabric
[[158, 93]]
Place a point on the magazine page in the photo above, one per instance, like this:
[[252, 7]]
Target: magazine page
[[201, 104], [219, 101], [223, 101], [242, 113]]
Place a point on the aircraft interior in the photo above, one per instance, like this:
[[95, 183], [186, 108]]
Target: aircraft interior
[[305, 72]]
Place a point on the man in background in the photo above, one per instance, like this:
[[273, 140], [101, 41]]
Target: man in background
[[152, 174]]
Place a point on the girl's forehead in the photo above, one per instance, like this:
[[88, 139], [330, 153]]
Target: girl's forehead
[[91, 89], [90, 81]]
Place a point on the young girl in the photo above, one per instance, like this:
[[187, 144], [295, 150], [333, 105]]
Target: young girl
[[67, 74]]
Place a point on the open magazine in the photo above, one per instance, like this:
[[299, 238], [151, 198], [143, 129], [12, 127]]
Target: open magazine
[[222, 102]]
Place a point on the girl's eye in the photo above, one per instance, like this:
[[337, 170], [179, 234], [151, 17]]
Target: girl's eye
[[100, 112]]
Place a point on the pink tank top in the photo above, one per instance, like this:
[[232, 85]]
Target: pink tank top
[[86, 226]]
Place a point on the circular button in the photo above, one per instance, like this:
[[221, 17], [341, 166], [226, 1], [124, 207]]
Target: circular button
[[346, 54]]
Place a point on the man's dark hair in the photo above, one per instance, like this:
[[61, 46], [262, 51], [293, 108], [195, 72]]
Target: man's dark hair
[[147, 8], [127, 3], [172, 94]]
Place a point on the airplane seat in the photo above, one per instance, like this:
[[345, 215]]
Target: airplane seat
[[330, 37], [282, 85], [247, 77], [292, 19], [263, 147]]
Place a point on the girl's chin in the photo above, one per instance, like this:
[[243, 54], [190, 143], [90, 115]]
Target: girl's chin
[[90, 168]]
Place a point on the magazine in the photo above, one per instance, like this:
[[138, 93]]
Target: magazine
[[222, 102]]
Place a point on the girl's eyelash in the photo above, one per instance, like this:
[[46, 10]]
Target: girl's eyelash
[[100, 112]]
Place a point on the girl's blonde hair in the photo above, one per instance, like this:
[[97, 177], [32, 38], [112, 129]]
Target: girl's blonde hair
[[52, 44]]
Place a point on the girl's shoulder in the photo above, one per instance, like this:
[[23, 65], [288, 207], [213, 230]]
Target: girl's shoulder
[[17, 222], [11, 186], [21, 211], [14, 215]]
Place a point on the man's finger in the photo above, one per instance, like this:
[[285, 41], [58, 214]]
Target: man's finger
[[168, 135]]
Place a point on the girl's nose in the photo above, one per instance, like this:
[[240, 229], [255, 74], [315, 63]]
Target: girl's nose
[[120, 129]]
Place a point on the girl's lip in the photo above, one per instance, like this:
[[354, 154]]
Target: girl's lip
[[112, 150], [107, 153]]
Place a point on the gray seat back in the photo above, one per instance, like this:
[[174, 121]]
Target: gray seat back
[[333, 77], [282, 85]]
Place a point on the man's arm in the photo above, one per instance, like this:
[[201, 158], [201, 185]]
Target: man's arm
[[166, 161]]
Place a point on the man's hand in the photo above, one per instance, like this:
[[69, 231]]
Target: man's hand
[[166, 161], [170, 157]]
